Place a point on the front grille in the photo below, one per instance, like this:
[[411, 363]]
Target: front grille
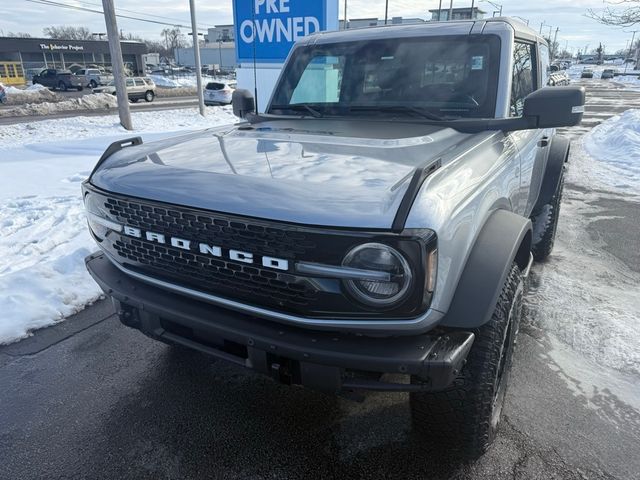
[[211, 274], [249, 283]]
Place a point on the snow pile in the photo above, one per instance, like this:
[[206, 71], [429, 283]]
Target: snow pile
[[629, 80], [32, 94], [43, 233], [176, 82], [86, 102], [615, 143]]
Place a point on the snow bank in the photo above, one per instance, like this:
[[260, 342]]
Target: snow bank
[[32, 94], [615, 144], [43, 234], [86, 102], [186, 81]]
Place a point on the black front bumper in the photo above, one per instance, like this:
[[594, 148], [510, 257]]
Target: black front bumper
[[322, 360]]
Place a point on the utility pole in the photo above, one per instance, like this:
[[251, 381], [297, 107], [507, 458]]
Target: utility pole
[[630, 48], [386, 11], [440, 11], [555, 42], [541, 25], [450, 10], [473, 2], [196, 54], [117, 64]]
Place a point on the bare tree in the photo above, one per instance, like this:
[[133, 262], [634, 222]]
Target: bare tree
[[173, 39], [64, 32], [19, 34], [625, 13]]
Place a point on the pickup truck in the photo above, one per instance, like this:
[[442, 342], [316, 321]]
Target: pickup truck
[[372, 229], [58, 79], [93, 77]]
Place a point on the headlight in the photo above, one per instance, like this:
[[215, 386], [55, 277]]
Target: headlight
[[377, 257], [99, 218]]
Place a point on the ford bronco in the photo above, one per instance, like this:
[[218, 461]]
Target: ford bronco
[[371, 230]]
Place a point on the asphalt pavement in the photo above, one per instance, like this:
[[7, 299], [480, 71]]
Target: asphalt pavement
[[90, 398]]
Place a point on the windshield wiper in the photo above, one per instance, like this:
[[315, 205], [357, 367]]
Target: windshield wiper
[[297, 107], [398, 109]]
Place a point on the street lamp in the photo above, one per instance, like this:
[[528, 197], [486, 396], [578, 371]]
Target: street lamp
[[496, 5]]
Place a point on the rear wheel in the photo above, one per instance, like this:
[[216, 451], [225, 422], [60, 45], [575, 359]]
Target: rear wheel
[[464, 417], [62, 87], [545, 224], [149, 96]]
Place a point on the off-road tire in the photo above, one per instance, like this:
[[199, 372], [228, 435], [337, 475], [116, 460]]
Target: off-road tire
[[545, 224], [463, 419]]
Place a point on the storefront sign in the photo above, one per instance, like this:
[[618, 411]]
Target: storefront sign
[[61, 46]]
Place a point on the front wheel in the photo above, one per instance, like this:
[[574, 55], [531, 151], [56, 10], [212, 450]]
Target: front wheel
[[464, 417], [62, 87], [93, 84], [149, 96]]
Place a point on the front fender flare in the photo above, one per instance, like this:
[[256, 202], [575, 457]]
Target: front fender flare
[[558, 156], [504, 238]]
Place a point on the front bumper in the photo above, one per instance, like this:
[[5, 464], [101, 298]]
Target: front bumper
[[327, 361]]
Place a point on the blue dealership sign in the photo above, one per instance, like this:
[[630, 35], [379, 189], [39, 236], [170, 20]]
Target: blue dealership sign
[[269, 28]]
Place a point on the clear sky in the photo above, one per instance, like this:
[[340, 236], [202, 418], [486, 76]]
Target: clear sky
[[576, 30]]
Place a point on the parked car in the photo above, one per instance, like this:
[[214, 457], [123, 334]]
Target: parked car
[[93, 77], [219, 93], [586, 73], [58, 79], [3, 94], [379, 220], [608, 74], [138, 88]]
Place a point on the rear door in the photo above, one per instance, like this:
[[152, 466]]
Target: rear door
[[524, 80]]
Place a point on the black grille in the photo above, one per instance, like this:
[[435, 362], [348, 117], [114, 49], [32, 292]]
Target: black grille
[[207, 273]]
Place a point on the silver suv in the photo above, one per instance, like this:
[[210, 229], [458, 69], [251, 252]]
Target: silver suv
[[379, 218], [138, 88]]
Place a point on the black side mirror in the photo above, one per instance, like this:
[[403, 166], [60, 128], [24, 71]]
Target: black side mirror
[[243, 103], [551, 107]]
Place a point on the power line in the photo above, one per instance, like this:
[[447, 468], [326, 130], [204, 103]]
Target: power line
[[52, 3]]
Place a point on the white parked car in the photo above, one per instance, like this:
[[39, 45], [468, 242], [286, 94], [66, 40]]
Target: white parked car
[[218, 93], [137, 89], [93, 77]]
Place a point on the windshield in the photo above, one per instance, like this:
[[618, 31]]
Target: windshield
[[453, 76]]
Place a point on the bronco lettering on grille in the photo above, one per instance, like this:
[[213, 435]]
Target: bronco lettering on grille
[[206, 249]]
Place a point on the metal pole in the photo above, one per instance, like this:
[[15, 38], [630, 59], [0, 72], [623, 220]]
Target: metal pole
[[630, 48], [472, 5], [555, 42], [117, 64], [450, 10], [541, 25], [440, 11], [346, 23], [500, 10], [196, 54], [386, 11]]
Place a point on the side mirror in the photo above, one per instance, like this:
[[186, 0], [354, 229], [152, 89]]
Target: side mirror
[[551, 107], [243, 103]]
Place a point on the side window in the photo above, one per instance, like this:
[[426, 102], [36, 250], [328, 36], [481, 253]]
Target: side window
[[522, 76], [129, 82], [545, 69]]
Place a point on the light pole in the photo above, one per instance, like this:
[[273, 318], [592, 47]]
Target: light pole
[[386, 11], [496, 5], [541, 25], [440, 11], [346, 23], [196, 54]]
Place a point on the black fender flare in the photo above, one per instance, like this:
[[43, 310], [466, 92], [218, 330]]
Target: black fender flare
[[557, 157], [505, 237]]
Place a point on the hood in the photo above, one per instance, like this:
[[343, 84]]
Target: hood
[[352, 176]]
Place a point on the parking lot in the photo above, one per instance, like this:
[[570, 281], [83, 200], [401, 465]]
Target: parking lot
[[89, 398]]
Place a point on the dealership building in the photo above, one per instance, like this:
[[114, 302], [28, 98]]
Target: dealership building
[[21, 57]]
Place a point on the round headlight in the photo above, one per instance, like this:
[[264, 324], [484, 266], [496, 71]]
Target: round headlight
[[376, 257]]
